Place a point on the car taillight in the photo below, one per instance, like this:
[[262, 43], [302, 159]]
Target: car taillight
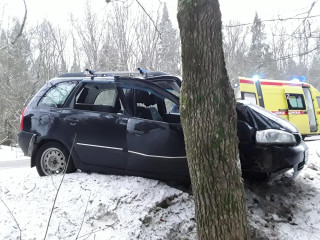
[[22, 117]]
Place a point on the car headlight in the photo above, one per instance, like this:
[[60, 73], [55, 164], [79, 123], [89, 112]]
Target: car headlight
[[274, 136]]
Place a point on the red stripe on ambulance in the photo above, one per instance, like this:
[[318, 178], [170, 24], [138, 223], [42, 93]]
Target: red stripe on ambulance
[[269, 83], [297, 112], [246, 81], [280, 112]]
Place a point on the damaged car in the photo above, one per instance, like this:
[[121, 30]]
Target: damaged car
[[268, 145], [129, 124]]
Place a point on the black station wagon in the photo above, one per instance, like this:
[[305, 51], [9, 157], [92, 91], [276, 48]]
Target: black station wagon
[[120, 123]]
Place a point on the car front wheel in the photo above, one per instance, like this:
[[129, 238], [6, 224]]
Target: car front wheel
[[52, 159]]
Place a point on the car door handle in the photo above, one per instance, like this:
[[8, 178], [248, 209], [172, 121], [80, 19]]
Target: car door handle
[[72, 121]]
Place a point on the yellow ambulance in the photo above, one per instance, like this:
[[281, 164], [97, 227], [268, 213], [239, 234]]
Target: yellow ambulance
[[297, 102]]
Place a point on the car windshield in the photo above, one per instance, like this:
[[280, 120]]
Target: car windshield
[[170, 86], [273, 117]]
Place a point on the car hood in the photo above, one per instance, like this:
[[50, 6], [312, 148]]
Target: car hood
[[261, 119]]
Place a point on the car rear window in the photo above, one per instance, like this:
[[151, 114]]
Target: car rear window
[[57, 94]]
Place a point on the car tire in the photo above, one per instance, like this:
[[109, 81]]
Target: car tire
[[51, 159]]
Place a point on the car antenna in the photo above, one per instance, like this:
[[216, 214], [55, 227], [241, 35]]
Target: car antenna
[[143, 71], [90, 71]]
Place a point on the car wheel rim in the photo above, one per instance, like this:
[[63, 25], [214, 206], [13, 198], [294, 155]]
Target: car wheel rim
[[53, 161]]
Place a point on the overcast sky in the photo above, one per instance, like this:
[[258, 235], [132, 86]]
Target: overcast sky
[[57, 11], [244, 10]]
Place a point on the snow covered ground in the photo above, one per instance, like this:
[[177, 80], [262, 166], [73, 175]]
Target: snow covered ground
[[288, 209], [90, 206], [95, 206], [11, 153]]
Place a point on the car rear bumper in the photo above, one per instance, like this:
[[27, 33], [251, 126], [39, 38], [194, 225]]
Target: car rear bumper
[[26, 142], [273, 159]]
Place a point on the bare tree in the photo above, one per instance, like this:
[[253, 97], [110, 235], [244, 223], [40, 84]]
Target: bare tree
[[91, 32], [49, 52], [148, 42], [124, 23], [236, 48], [14, 88], [19, 33]]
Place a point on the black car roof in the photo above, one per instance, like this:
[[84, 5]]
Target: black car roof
[[155, 75], [149, 79], [110, 74]]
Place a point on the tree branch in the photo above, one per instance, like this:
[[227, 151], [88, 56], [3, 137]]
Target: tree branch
[[84, 214], [56, 196], [296, 17], [154, 24], [21, 28], [273, 20], [293, 55], [11, 214]]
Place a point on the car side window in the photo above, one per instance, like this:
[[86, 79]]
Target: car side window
[[99, 97], [172, 112], [171, 107], [295, 102], [106, 97], [57, 95], [147, 105]]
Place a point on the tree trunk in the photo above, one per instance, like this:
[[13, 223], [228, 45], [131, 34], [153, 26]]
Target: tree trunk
[[210, 124]]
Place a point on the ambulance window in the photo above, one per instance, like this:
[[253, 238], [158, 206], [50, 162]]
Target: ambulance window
[[318, 100], [295, 102], [250, 97]]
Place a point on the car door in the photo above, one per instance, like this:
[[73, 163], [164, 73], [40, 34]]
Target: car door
[[155, 141], [311, 110], [97, 121], [297, 111]]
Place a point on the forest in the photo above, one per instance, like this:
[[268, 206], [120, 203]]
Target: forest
[[126, 37]]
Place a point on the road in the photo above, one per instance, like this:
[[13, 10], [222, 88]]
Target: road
[[314, 138], [22, 163], [12, 157]]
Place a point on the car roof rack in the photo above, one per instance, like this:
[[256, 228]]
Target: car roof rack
[[142, 73], [72, 74], [90, 72]]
